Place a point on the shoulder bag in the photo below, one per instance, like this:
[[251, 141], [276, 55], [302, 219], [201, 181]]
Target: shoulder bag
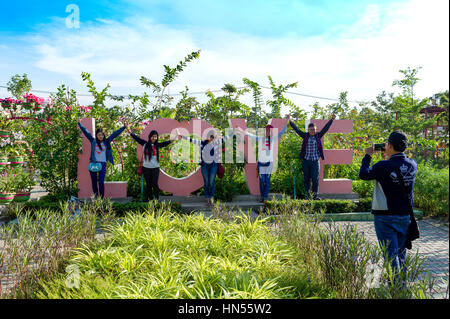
[[413, 229]]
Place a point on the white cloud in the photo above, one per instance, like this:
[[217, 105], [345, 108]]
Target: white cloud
[[363, 58]]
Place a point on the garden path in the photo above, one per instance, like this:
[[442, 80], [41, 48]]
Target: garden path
[[433, 244]]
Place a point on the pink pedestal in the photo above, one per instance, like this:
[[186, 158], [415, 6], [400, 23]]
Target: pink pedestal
[[335, 186], [112, 189]]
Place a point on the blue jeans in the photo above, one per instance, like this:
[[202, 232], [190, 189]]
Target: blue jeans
[[264, 182], [311, 172], [100, 180], [391, 232], [209, 172]]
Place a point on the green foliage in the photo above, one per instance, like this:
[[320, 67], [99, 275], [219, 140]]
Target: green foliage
[[289, 167], [160, 108], [329, 206], [55, 204], [233, 183], [363, 188], [278, 98], [23, 180], [56, 145], [431, 190], [18, 85], [7, 181], [342, 261], [364, 205], [159, 255]]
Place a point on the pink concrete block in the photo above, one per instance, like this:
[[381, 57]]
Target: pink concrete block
[[338, 126], [337, 157], [335, 186], [112, 189]]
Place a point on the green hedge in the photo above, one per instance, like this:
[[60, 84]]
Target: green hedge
[[329, 206], [119, 208]]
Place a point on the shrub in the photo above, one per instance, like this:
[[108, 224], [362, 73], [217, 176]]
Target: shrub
[[363, 188], [364, 205], [431, 190], [327, 206], [119, 209], [289, 167]]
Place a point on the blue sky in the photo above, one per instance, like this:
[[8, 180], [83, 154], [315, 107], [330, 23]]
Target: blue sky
[[264, 18], [327, 46]]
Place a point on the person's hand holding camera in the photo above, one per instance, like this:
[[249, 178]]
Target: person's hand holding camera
[[370, 150]]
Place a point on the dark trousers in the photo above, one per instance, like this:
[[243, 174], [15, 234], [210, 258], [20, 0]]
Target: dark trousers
[[99, 178], [209, 172], [151, 176], [264, 180], [391, 232], [311, 173]]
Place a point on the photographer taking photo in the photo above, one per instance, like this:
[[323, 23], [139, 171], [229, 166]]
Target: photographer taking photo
[[392, 199]]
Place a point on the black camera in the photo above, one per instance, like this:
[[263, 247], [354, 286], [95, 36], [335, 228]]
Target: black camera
[[380, 147]]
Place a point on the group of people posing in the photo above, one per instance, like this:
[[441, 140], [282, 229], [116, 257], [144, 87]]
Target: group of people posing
[[210, 151], [392, 198]]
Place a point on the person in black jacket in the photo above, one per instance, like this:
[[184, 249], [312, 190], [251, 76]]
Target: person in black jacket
[[150, 165], [391, 204]]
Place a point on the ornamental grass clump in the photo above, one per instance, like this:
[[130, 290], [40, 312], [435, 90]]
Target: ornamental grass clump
[[340, 259], [163, 255], [32, 248]]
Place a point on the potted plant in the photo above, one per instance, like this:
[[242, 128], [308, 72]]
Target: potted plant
[[29, 102], [16, 149], [7, 181], [15, 158], [4, 133], [38, 103], [5, 147], [8, 103], [23, 185]]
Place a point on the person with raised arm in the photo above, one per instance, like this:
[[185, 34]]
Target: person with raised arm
[[311, 153], [101, 152], [266, 145], [150, 163], [210, 150]]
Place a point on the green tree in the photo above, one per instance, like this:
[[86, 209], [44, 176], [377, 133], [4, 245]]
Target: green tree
[[18, 85], [278, 97]]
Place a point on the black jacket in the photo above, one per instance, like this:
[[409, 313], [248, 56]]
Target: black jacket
[[157, 145]]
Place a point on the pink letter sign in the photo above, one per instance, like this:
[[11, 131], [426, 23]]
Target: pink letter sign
[[112, 189], [250, 168], [342, 185], [177, 186], [186, 185]]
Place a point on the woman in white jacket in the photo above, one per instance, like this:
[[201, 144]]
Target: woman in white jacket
[[266, 145]]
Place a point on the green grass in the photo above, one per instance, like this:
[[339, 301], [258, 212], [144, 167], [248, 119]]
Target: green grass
[[169, 256]]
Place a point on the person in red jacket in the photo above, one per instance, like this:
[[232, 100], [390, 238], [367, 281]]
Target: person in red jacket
[[312, 151]]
